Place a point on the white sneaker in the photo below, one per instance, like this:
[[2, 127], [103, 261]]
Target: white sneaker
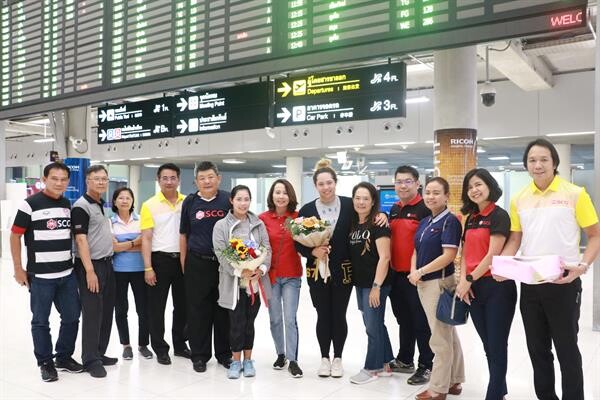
[[337, 371], [363, 377], [325, 368]]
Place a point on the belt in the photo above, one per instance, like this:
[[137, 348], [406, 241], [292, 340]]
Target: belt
[[207, 257], [167, 254], [109, 258]]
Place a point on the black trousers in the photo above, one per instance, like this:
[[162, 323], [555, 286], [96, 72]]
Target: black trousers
[[551, 317], [204, 313], [412, 321], [241, 322], [138, 287], [96, 310], [331, 302], [168, 275]]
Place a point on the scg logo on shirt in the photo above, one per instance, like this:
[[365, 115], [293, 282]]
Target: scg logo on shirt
[[61, 223], [210, 213]]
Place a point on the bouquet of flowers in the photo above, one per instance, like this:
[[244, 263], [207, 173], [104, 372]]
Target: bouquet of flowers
[[312, 232], [245, 254]]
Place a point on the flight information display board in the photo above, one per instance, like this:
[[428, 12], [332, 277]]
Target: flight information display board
[[222, 110], [56, 49], [151, 119], [361, 93]]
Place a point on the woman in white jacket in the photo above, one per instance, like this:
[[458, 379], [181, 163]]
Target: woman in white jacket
[[242, 224]]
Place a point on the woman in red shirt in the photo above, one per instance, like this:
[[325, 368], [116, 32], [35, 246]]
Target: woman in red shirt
[[492, 303], [285, 274]]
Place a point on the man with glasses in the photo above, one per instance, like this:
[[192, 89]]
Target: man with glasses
[[93, 266], [404, 220], [199, 214], [159, 221], [44, 219]]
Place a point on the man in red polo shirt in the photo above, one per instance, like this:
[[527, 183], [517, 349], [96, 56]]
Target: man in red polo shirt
[[404, 220]]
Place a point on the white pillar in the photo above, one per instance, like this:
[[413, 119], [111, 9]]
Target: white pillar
[[135, 174], [77, 126], [294, 175], [596, 188], [564, 155], [3, 125]]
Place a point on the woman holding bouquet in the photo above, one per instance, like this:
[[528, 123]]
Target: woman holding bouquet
[[492, 303], [330, 294], [432, 269], [240, 288], [370, 257], [285, 275]]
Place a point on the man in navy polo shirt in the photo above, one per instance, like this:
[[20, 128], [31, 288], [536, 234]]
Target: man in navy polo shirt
[[404, 220], [199, 214]]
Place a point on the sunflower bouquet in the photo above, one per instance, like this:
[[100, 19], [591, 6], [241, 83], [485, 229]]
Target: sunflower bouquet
[[312, 232], [245, 254]]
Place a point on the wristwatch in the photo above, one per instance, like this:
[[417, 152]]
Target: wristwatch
[[376, 285], [469, 278]]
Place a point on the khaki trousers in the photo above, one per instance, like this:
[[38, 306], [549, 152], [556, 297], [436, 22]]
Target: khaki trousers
[[448, 363]]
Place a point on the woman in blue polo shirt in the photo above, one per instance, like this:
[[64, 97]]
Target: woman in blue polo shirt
[[129, 270], [432, 270], [492, 303]]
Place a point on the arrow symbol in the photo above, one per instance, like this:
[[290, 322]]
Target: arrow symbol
[[182, 104], [102, 135], [182, 126], [102, 116], [284, 89], [285, 115]]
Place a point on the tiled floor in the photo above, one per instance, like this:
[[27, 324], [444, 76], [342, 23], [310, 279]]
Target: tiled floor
[[145, 379]]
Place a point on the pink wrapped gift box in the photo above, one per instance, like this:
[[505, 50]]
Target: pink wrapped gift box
[[532, 270]]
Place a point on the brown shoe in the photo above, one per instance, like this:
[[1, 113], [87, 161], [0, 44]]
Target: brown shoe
[[455, 389], [424, 395]]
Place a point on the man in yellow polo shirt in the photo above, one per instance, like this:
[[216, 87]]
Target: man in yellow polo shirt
[[546, 219], [159, 221]]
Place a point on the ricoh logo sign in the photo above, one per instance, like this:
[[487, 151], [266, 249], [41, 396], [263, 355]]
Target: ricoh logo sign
[[462, 142]]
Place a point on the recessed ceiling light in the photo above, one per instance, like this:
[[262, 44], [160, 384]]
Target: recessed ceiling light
[[140, 158], [114, 160], [394, 144], [499, 138], [351, 146], [378, 162], [498, 158], [570, 133], [151, 165], [44, 140], [233, 161], [417, 100], [279, 166], [516, 163], [480, 150]]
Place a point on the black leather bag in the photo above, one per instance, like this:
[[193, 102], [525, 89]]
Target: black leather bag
[[451, 310]]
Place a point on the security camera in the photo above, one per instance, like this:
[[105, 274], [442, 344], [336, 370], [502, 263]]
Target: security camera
[[400, 125], [488, 94]]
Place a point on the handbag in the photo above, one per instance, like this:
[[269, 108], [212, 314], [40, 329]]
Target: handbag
[[451, 310]]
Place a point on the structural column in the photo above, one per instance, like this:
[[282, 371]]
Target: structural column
[[596, 188], [3, 125], [564, 155], [294, 175], [135, 176], [455, 117]]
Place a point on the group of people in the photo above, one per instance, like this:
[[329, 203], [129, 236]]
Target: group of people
[[178, 243]]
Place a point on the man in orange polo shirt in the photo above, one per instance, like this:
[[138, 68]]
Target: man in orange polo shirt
[[404, 220]]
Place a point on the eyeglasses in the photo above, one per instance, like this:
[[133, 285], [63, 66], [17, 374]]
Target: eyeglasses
[[168, 178], [406, 182], [97, 179]]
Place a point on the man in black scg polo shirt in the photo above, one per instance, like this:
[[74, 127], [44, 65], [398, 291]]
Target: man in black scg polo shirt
[[199, 214]]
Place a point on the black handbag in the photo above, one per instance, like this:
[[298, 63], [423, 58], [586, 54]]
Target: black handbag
[[451, 310]]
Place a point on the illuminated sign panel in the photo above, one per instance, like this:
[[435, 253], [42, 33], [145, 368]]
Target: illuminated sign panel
[[362, 93], [151, 119], [55, 50]]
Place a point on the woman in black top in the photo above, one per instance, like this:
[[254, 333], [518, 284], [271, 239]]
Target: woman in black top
[[330, 298], [370, 257]]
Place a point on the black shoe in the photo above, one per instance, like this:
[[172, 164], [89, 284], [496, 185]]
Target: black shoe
[[127, 353], [145, 352], [108, 360], [200, 366], [294, 369], [280, 362], [225, 362], [68, 365], [185, 353], [400, 367], [48, 372], [163, 359], [420, 377], [96, 371]]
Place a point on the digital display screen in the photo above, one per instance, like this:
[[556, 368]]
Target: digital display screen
[[53, 50], [387, 198], [361, 93]]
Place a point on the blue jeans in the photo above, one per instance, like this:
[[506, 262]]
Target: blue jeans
[[379, 348], [62, 292], [492, 312], [283, 307]]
